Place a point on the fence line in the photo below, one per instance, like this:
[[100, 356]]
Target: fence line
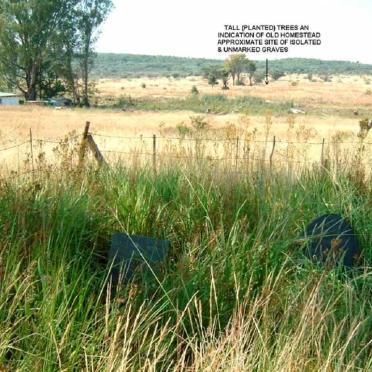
[[15, 146], [227, 140], [237, 142], [232, 140]]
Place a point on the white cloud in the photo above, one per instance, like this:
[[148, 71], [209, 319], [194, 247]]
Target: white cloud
[[189, 27]]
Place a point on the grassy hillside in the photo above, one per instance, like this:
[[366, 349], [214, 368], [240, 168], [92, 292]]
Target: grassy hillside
[[122, 65]]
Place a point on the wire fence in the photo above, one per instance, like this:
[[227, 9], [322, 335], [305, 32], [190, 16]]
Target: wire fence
[[236, 150]]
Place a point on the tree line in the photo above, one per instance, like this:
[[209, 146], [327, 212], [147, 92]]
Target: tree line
[[47, 46], [122, 66]]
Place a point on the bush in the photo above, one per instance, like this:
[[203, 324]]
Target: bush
[[326, 77], [198, 122], [194, 90], [212, 80], [183, 130], [259, 77], [143, 85], [125, 102], [276, 75]]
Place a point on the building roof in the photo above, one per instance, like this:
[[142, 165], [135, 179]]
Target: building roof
[[2, 95]]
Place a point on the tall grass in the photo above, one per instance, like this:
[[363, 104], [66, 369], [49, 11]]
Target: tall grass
[[234, 293]]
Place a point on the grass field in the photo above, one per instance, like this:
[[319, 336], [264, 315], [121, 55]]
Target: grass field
[[346, 91], [235, 293]]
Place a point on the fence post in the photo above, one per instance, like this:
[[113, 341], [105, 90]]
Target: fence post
[[95, 150], [84, 143], [32, 152], [322, 155], [154, 153], [247, 150], [237, 153], [272, 153]]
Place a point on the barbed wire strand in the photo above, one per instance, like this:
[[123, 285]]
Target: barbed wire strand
[[14, 146]]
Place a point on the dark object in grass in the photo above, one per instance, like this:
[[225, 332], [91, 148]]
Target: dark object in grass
[[331, 240], [130, 253]]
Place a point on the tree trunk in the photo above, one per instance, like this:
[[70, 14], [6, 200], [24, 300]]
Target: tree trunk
[[31, 94], [86, 84], [71, 78], [238, 78], [87, 45], [32, 82]]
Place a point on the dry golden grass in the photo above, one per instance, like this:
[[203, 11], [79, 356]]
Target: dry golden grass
[[48, 123], [51, 123], [346, 91]]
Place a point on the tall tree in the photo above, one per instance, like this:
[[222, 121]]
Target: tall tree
[[236, 63], [251, 69], [27, 28], [43, 42], [89, 16]]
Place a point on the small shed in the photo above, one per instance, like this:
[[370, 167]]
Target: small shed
[[10, 99]]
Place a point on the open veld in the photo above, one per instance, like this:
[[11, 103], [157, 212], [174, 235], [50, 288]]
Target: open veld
[[235, 292], [131, 111]]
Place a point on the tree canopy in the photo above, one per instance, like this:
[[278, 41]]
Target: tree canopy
[[46, 46]]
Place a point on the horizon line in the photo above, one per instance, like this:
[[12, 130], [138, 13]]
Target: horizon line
[[217, 59]]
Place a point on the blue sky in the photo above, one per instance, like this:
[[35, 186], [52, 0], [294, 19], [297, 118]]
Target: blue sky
[[189, 27]]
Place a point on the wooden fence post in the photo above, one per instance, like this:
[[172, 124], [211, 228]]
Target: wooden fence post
[[154, 153], [322, 155], [272, 153], [84, 143], [247, 150], [237, 153], [95, 150], [32, 152]]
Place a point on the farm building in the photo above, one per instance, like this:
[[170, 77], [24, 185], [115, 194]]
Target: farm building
[[9, 99]]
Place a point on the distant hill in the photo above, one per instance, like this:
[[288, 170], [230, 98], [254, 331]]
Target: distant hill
[[109, 65], [121, 65]]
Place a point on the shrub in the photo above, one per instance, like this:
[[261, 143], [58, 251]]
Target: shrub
[[125, 102], [199, 122], [326, 77], [259, 77], [276, 75], [194, 90], [212, 80], [183, 130]]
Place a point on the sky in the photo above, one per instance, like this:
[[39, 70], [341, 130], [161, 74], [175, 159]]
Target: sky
[[189, 28]]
